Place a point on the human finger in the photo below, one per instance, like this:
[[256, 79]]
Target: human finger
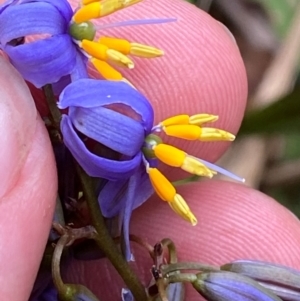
[[28, 186]]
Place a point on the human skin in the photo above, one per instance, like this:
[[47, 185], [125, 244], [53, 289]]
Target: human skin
[[202, 72]]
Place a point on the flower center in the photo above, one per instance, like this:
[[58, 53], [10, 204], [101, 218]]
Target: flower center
[[82, 31], [150, 141]]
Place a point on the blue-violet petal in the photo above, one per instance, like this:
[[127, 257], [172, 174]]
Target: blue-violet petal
[[114, 130], [94, 165], [91, 93], [44, 61], [28, 19]]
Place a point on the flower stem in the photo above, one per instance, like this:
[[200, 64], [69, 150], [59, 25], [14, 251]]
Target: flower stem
[[167, 242], [169, 268], [60, 286], [106, 243], [183, 277], [51, 101]]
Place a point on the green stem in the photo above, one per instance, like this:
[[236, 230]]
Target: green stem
[[105, 241], [59, 284], [51, 101], [183, 277], [166, 269], [167, 242], [142, 243]]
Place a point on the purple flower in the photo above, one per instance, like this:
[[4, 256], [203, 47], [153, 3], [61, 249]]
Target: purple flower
[[119, 117], [281, 280], [109, 130], [219, 286], [47, 59], [66, 41], [98, 109]]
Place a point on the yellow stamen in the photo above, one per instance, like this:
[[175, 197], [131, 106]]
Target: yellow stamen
[[196, 167], [202, 118], [180, 206], [194, 132], [126, 47], [177, 158], [120, 45], [94, 49], [120, 59], [175, 120], [101, 52], [142, 50], [185, 131], [88, 12], [186, 119], [85, 2], [94, 10], [106, 70], [169, 154], [212, 134], [161, 185]]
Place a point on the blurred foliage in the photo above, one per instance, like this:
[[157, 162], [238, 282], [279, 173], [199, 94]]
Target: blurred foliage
[[281, 13], [282, 116], [292, 150], [288, 197]]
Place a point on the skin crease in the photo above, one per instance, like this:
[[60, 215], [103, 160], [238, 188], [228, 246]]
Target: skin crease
[[203, 73]]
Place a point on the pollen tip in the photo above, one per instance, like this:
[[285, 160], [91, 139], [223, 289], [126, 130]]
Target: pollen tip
[[194, 222], [231, 137]]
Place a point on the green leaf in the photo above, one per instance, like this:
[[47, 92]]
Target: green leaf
[[282, 116], [281, 13]]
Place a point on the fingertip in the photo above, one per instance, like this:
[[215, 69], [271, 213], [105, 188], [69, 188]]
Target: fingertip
[[18, 120], [234, 221], [26, 214]]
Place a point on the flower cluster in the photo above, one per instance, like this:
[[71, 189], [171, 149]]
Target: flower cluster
[[107, 113], [107, 125]]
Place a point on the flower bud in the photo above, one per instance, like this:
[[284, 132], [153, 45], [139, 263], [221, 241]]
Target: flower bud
[[281, 280], [223, 286], [76, 292]]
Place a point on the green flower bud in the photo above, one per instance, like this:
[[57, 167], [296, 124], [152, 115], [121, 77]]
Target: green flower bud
[[76, 292]]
